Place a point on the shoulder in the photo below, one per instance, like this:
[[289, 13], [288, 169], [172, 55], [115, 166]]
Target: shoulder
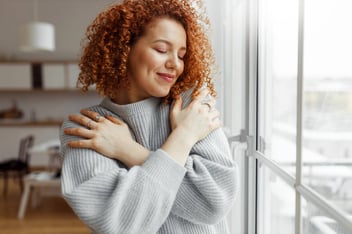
[[70, 124], [97, 108]]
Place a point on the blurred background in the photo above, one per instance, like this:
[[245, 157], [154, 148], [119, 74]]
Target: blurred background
[[37, 92], [284, 93]]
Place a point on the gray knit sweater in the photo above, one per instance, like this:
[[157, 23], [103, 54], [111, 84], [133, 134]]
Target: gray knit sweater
[[159, 196]]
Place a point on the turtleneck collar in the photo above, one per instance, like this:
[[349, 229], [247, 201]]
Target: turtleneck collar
[[142, 107]]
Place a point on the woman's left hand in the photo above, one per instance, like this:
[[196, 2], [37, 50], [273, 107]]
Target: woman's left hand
[[107, 135]]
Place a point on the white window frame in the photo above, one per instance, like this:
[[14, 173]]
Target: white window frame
[[254, 154]]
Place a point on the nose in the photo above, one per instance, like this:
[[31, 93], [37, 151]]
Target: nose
[[174, 62]]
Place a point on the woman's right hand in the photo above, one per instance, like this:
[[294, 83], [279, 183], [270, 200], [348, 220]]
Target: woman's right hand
[[107, 135], [198, 119]]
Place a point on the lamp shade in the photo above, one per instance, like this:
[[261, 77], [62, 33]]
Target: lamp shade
[[37, 36]]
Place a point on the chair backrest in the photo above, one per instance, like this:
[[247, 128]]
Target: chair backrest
[[25, 145]]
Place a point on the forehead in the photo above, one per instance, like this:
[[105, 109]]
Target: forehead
[[166, 28]]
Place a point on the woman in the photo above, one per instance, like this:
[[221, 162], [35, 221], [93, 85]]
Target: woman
[[151, 157]]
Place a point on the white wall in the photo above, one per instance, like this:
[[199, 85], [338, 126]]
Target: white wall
[[70, 17]]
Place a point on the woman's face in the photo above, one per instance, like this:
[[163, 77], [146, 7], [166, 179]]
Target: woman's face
[[156, 60]]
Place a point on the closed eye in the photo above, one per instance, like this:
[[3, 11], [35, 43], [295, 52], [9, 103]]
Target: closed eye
[[163, 51], [182, 55]]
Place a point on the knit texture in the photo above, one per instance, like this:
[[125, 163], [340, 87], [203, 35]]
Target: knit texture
[[159, 196]]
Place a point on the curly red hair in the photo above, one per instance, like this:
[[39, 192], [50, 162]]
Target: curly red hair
[[112, 34]]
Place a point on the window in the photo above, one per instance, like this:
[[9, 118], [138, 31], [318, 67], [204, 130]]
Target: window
[[286, 97], [277, 204], [327, 121], [303, 124]]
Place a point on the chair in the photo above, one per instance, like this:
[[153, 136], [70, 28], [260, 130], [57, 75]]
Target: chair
[[20, 166]]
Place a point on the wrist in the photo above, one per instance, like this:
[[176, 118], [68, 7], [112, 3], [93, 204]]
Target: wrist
[[135, 155], [183, 134], [179, 144]]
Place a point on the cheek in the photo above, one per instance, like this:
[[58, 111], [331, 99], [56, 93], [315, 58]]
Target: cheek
[[151, 60], [154, 62], [181, 70], [142, 61]]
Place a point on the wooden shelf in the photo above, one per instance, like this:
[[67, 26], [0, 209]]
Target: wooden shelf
[[19, 123], [38, 90], [90, 91]]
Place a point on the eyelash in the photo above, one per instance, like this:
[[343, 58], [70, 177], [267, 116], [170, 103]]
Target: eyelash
[[161, 51], [164, 51]]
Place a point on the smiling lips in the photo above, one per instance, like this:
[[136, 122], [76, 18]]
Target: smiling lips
[[167, 77]]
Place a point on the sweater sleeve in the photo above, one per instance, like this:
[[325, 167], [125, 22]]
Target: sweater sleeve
[[211, 182], [111, 199]]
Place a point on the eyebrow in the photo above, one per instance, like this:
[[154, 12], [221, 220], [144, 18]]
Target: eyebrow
[[169, 43]]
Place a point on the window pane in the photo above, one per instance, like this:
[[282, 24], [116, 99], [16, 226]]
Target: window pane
[[278, 35], [316, 221], [276, 204], [327, 142]]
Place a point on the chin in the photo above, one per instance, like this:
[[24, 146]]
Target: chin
[[161, 96], [162, 93]]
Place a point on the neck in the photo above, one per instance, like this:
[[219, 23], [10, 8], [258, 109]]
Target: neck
[[127, 96], [121, 100]]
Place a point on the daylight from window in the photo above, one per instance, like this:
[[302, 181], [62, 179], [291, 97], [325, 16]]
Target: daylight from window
[[327, 107]]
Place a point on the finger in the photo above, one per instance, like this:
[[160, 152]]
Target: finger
[[215, 121], [114, 119], [212, 102], [80, 144], [81, 120], [80, 132], [92, 114], [206, 107], [177, 105], [212, 105], [216, 124], [202, 94], [214, 115], [85, 112]]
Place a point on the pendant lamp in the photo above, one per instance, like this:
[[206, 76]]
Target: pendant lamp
[[36, 35]]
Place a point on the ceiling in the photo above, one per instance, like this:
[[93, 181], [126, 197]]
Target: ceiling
[[70, 17]]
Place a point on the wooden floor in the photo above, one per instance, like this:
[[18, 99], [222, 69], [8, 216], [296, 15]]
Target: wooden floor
[[51, 216]]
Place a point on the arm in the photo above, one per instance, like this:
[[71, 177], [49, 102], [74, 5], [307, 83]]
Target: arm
[[111, 199], [110, 136], [211, 182], [208, 166]]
